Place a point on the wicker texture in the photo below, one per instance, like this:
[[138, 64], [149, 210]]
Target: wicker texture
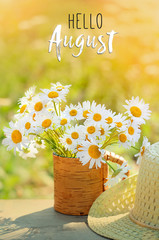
[[109, 215], [76, 186], [110, 156], [146, 210]]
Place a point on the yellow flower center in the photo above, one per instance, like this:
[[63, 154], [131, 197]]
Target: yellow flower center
[[73, 112], [68, 141], [109, 120], [119, 124], [22, 109], [91, 129], [131, 130], [38, 106], [102, 132], [27, 125], [143, 150], [53, 94], [16, 136], [135, 111], [75, 135], [46, 123], [94, 152], [85, 113], [59, 88], [63, 121], [122, 138], [33, 117], [97, 117]]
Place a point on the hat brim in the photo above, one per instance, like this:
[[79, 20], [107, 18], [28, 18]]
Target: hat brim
[[109, 214]]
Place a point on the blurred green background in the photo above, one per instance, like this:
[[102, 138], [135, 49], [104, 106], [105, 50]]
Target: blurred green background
[[131, 70]]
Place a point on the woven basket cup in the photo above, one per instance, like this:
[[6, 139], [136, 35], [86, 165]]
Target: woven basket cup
[[146, 207], [76, 187]]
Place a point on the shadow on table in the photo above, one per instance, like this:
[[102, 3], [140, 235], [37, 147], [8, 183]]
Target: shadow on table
[[32, 226]]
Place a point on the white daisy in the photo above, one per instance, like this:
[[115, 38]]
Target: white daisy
[[118, 175], [120, 122], [15, 138], [68, 142], [104, 131], [137, 110], [61, 88], [133, 132], [44, 122], [110, 118], [145, 144], [28, 124], [29, 152], [38, 105], [38, 143], [123, 140], [73, 136], [86, 108], [97, 115], [53, 94], [89, 151], [29, 94], [61, 121], [73, 112], [92, 130]]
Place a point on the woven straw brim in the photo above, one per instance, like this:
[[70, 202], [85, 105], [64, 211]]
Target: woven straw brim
[[109, 214]]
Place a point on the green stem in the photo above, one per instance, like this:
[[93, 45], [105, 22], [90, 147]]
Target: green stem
[[135, 148], [108, 141], [109, 165], [55, 108], [42, 138]]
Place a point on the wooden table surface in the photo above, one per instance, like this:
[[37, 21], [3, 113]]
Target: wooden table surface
[[37, 219]]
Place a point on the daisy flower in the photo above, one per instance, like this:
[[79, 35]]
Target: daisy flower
[[104, 131], [110, 118], [29, 94], [90, 152], [73, 112], [118, 175], [37, 105], [44, 122], [29, 152], [86, 108], [133, 132], [137, 110], [68, 142], [15, 138], [92, 131], [28, 124], [145, 144], [38, 143], [61, 121], [120, 122], [97, 115], [123, 140], [23, 108], [75, 134], [53, 94], [60, 88]]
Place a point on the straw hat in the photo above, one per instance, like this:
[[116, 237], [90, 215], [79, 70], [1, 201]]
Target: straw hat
[[118, 214]]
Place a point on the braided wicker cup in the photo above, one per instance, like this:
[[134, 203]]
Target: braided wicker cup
[[76, 187]]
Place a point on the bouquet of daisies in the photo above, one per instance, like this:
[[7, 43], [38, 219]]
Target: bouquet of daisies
[[84, 130]]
